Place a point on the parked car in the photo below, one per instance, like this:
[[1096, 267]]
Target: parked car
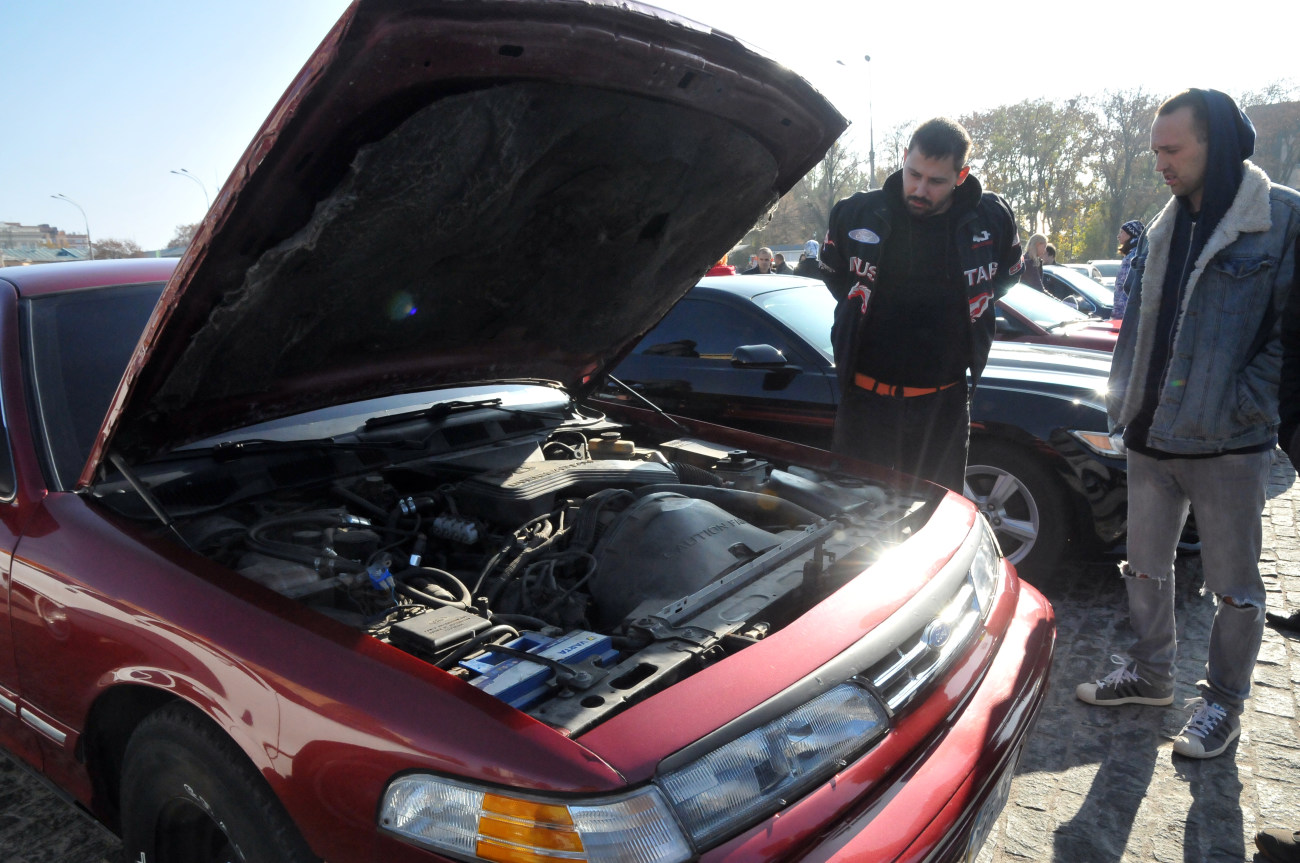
[[754, 352], [1108, 270], [1086, 295], [333, 563], [1027, 314], [1085, 269]]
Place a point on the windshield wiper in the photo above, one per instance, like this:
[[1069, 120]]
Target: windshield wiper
[[439, 411], [235, 449]]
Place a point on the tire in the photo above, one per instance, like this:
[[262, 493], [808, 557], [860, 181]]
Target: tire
[[189, 795], [1024, 503]]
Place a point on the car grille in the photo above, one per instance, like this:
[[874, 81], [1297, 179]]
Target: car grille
[[927, 652]]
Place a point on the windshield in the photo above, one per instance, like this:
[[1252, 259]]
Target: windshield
[[1109, 269], [1044, 310], [1094, 291], [809, 311], [79, 343]]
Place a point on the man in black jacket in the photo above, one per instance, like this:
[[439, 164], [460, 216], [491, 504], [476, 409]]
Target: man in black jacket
[[917, 268]]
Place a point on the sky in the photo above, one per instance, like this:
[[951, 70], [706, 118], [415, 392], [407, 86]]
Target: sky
[[106, 100]]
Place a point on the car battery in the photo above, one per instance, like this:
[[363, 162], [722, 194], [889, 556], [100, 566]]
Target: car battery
[[521, 683]]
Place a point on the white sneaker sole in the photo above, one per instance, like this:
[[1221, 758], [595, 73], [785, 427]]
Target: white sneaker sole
[[1193, 747], [1087, 692]]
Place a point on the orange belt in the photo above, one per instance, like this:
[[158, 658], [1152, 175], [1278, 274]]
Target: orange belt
[[872, 385]]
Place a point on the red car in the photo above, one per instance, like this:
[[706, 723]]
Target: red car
[[1026, 314], [336, 564]]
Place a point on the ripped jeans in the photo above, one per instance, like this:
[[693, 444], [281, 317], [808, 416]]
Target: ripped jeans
[[1227, 494]]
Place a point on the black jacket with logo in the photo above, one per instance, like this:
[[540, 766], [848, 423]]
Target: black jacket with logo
[[988, 254]]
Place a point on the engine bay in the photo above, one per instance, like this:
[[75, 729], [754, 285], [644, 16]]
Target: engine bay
[[568, 571]]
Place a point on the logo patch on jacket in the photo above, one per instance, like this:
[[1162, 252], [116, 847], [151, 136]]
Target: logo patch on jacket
[[863, 293], [864, 270], [864, 235], [981, 274], [983, 238], [979, 305]]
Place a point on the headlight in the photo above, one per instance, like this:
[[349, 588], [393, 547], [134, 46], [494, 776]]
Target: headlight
[[747, 779], [1111, 446], [986, 569], [477, 823]]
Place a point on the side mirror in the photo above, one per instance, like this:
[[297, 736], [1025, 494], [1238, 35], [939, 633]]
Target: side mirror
[[758, 357]]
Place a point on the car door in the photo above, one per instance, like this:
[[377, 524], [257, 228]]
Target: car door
[[689, 365], [14, 735]]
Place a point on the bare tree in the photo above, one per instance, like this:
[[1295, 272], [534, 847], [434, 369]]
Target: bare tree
[[183, 235], [113, 248], [804, 211], [891, 151]]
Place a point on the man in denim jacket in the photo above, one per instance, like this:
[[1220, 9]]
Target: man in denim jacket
[[1194, 389]]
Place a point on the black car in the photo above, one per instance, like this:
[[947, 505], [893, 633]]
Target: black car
[[1071, 286], [754, 352]]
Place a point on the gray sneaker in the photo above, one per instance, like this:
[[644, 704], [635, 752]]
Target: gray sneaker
[[1124, 686], [1209, 730]]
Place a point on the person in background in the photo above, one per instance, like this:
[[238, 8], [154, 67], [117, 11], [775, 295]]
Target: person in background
[[1032, 274], [1194, 390], [762, 262], [721, 268], [779, 265], [1049, 255], [808, 265], [1129, 234], [916, 268]]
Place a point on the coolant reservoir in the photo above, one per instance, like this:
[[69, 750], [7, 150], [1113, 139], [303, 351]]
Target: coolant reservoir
[[610, 445]]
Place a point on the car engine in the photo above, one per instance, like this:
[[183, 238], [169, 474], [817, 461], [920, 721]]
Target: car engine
[[569, 575]]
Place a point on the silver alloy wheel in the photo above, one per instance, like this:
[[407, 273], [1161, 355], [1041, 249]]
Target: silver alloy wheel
[[1008, 505]]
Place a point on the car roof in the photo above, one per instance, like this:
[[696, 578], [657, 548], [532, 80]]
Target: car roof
[[753, 285], [76, 275]]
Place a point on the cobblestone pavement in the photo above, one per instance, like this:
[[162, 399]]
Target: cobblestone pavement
[[1102, 784], [1095, 785]]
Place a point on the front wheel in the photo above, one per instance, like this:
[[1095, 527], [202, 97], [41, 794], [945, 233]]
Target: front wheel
[[1023, 502], [189, 795]]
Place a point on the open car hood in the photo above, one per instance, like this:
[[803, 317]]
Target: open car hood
[[462, 191]]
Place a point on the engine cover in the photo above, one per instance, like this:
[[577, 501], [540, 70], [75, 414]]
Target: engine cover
[[666, 546], [517, 494]]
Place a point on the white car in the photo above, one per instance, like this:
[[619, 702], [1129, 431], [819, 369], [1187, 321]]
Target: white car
[[1085, 270], [1108, 269]]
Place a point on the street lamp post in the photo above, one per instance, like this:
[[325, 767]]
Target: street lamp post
[[871, 121], [871, 124], [207, 202], [89, 244]]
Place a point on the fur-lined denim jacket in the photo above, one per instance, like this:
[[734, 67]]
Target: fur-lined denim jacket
[[1219, 391]]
